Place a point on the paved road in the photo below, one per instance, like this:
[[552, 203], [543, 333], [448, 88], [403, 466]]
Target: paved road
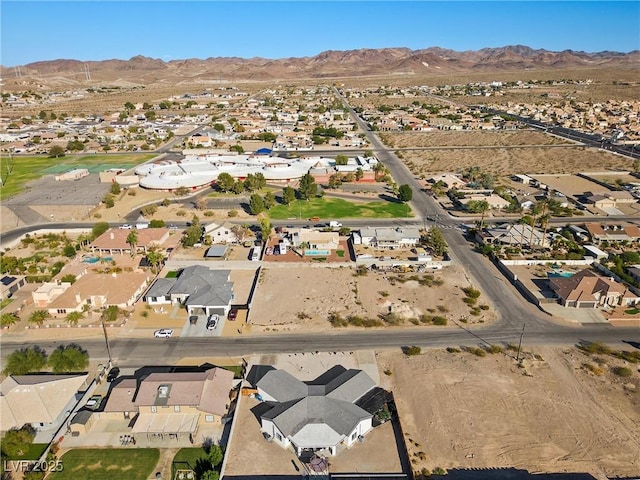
[[136, 351]]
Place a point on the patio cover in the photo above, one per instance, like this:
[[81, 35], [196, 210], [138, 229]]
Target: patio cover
[[171, 423]]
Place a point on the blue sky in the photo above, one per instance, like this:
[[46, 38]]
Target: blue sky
[[95, 30]]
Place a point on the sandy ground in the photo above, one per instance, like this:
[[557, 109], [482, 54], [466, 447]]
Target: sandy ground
[[507, 161], [311, 294], [470, 138], [465, 411]]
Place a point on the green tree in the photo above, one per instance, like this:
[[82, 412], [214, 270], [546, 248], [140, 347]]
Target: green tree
[[56, 151], [238, 187], [267, 137], [256, 204], [225, 182], [335, 181], [405, 193], [9, 318], [115, 188], [108, 201], [236, 148], [75, 146], [193, 233], [68, 359], [39, 316], [436, 242], [478, 206], [359, 173], [16, 442], [210, 475], [215, 455], [157, 224], [307, 187], [261, 182], [250, 183], [288, 195], [132, 241], [265, 228], [342, 160], [150, 115], [69, 278], [98, 229], [25, 360], [69, 251], [269, 200], [129, 106]]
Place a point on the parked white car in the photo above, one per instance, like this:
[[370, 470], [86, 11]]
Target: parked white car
[[126, 226], [163, 333]]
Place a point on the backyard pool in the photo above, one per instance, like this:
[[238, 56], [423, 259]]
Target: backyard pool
[[96, 259], [316, 253], [559, 273]]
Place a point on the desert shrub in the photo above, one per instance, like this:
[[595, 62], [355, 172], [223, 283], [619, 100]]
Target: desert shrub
[[337, 320], [361, 271], [631, 357], [413, 350], [484, 307], [391, 318], [438, 320], [149, 210], [208, 213], [132, 193], [592, 368], [384, 293], [471, 292], [595, 347], [181, 213], [622, 371], [470, 301], [442, 309], [232, 213], [477, 351], [453, 350], [495, 349], [388, 372]]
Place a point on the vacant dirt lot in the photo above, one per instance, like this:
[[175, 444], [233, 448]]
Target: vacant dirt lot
[[302, 299], [470, 138], [507, 161], [465, 411]]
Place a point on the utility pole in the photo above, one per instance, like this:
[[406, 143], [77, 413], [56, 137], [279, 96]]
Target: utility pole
[[520, 344], [106, 339]]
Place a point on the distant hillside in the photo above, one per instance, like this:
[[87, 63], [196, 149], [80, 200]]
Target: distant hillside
[[384, 61]]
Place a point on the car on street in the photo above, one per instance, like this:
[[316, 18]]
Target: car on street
[[233, 314], [94, 402], [163, 333], [126, 226], [212, 321], [113, 374]]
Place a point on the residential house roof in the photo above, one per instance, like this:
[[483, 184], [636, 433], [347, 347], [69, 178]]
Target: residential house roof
[[587, 286], [116, 239], [202, 285], [317, 413], [36, 398]]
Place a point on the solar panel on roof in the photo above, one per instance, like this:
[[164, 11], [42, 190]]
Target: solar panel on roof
[[8, 280]]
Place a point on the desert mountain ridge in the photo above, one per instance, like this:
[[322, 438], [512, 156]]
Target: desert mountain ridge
[[330, 63]]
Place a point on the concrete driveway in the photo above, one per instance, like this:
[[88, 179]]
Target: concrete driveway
[[199, 329]]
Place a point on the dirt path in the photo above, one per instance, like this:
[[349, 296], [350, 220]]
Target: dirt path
[[164, 463]]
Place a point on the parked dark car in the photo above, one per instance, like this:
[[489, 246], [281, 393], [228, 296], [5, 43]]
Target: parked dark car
[[113, 374], [233, 314]]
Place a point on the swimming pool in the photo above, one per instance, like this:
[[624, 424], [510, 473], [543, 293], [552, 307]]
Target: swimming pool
[[559, 273], [96, 259], [316, 253]]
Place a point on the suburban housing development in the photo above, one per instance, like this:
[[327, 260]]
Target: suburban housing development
[[344, 278]]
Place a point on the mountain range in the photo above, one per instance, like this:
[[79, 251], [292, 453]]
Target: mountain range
[[349, 63]]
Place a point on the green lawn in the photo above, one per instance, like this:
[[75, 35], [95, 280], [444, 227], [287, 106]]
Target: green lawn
[[325, 208], [33, 452], [186, 459], [25, 169], [107, 464]]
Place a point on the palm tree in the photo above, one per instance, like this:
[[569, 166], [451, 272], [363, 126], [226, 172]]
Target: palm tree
[[482, 207], [74, 317], [39, 316], [155, 257], [132, 241]]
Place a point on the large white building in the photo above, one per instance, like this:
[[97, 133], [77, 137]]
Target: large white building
[[198, 170]]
